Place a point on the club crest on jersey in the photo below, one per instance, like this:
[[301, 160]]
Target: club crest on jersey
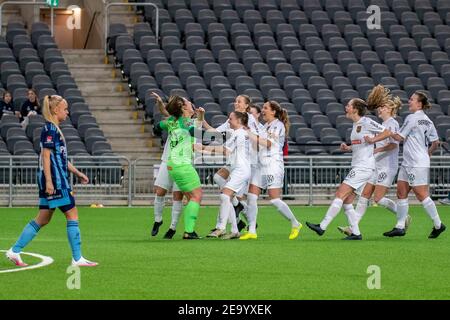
[[49, 139], [358, 129]]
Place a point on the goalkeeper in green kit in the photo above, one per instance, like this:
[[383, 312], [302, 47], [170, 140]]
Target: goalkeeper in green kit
[[181, 128]]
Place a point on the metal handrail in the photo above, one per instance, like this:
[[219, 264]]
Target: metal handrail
[[108, 5], [31, 3], [90, 28]]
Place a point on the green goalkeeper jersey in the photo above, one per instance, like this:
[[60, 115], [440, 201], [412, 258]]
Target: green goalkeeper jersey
[[181, 139]]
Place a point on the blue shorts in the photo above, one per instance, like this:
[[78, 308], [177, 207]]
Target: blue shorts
[[62, 199]]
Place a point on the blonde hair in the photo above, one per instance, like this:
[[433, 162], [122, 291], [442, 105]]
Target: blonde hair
[[380, 97], [48, 110]]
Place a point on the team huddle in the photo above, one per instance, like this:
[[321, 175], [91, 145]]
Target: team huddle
[[254, 154]]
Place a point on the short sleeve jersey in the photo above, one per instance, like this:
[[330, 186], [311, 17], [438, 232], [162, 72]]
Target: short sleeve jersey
[[418, 131], [275, 132], [52, 139], [239, 146], [362, 152], [388, 160], [179, 139]]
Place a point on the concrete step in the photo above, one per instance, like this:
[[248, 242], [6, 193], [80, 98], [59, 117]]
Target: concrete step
[[121, 128], [121, 108], [132, 136], [125, 143], [94, 72], [106, 86], [87, 57], [117, 116], [112, 101], [132, 149]]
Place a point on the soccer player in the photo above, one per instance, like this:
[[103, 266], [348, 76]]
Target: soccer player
[[256, 112], [270, 173], [363, 166], [237, 150], [179, 164], [416, 133], [54, 187], [241, 104], [164, 183], [386, 156]]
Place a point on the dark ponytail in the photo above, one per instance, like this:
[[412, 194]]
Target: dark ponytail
[[243, 117], [281, 114]]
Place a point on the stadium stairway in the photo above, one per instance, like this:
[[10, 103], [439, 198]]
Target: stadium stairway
[[111, 104]]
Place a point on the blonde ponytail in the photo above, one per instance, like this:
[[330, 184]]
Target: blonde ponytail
[[48, 110]]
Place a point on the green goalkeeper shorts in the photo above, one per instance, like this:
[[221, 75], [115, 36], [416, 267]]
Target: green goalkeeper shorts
[[185, 176]]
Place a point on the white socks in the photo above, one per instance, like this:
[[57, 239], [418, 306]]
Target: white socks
[[226, 213], [402, 213], [352, 218], [177, 208], [332, 212], [361, 208], [158, 207], [285, 211], [252, 212], [388, 204], [430, 208]]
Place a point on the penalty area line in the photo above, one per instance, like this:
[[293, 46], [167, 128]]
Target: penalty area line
[[45, 261]]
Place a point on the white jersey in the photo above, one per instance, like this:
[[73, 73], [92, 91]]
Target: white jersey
[[362, 156], [239, 146], [275, 132], [254, 126], [388, 160], [417, 130]]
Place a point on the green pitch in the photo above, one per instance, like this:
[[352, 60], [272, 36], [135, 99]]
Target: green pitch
[[133, 265]]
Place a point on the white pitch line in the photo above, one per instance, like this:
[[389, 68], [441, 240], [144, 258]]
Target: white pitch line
[[45, 262]]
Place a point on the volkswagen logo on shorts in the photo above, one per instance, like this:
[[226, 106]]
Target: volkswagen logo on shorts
[[270, 179], [351, 174], [411, 177], [382, 176]]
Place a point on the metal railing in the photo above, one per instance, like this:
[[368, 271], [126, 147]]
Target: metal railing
[[109, 180], [115, 180], [91, 25], [137, 4], [29, 3]]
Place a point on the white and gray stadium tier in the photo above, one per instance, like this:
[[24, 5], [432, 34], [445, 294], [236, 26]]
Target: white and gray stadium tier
[[312, 56]]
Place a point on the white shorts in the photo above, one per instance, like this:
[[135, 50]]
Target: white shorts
[[358, 177], [383, 177], [415, 176], [238, 181], [163, 180], [269, 177]]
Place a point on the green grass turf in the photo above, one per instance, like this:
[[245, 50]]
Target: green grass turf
[[135, 266]]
